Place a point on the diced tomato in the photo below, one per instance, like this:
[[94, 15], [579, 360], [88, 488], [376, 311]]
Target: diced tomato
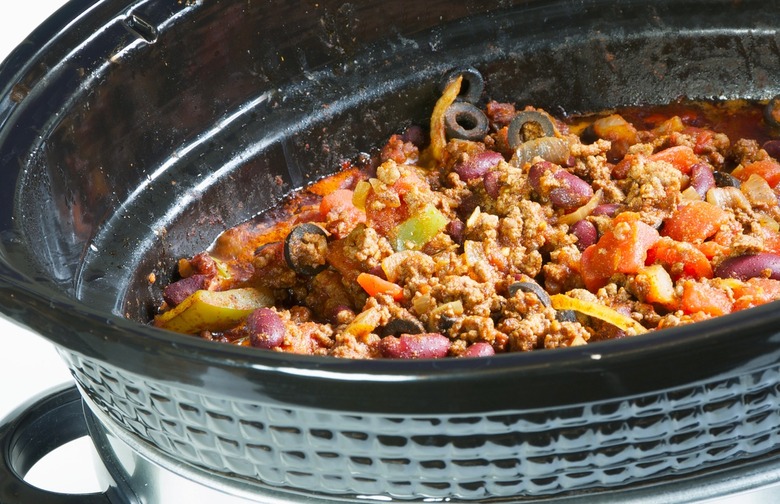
[[755, 292], [621, 133], [703, 297], [668, 126], [408, 182], [341, 180], [682, 259], [337, 202], [340, 213], [337, 257], [703, 139], [656, 286], [768, 169], [695, 221], [710, 248], [772, 241], [621, 169], [374, 285], [620, 250], [385, 216], [681, 157]]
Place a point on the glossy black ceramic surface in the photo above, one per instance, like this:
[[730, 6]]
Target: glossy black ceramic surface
[[133, 132]]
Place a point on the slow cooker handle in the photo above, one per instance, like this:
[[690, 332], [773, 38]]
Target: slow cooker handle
[[29, 433]]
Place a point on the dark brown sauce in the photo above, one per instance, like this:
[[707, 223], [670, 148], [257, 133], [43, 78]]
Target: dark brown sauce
[[734, 118]]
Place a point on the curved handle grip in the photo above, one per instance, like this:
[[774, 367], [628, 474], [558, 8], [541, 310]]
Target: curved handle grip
[[30, 432]]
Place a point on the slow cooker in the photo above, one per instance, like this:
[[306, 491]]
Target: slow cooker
[[133, 131]]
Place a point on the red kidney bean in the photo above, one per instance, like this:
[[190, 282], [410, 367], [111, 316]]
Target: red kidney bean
[[334, 313], [415, 346], [772, 147], [477, 165], [536, 172], [467, 206], [608, 209], [378, 271], [750, 266], [479, 349], [415, 135], [178, 291], [702, 179], [573, 192], [456, 228], [266, 328], [586, 233], [492, 183]]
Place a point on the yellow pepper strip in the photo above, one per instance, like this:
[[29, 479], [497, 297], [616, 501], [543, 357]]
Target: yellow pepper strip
[[364, 323], [213, 310], [599, 311], [360, 195], [435, 150]]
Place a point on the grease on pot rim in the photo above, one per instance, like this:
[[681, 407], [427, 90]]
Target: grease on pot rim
[[504, 230]]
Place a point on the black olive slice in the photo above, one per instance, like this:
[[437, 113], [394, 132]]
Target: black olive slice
[[304, 249], [397, 327], [725, 179], [465, 121], [533, 288], [471, 86], [544, 298], [529, 125], [446, 322], [565, 316], [772, 112]]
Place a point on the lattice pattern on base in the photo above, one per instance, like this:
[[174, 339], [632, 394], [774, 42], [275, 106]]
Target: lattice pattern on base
[[498, 454]]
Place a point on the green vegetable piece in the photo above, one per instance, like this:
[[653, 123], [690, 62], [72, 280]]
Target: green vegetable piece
[[418, 229], [213, 310]]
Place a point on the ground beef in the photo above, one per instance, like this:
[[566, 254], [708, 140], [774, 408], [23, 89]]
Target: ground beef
[[613, 225]]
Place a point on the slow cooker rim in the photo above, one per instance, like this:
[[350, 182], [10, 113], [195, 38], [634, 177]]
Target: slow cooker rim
[[94, 341], [196, 349]]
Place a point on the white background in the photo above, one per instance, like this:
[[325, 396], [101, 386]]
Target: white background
[[29, 365]]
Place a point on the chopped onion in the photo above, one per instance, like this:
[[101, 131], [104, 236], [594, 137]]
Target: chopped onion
[[423, 303], [728, 197], [583, 211], [554, 150], [475, 253], [758, 191], [690, 194], [768, 222], [599, 311], [454, 307], [391, 265], [472, 220]]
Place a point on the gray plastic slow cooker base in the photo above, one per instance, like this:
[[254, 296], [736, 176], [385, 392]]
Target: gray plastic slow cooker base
[[151, 476]]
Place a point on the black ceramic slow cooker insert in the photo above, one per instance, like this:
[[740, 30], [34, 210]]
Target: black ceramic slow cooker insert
[[133, 132]]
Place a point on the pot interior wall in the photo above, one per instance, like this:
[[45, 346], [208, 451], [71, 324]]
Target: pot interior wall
[[204, 114]]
